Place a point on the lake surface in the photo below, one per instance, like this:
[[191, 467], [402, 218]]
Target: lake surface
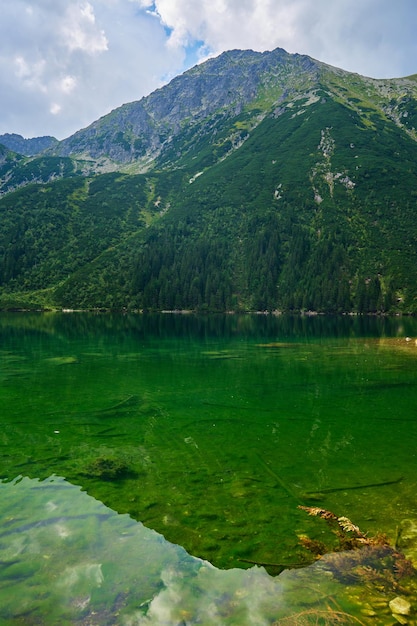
[[152, 467]]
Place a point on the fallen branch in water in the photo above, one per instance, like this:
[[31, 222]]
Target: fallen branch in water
[[367, 486], [127, 402], [329, 616]]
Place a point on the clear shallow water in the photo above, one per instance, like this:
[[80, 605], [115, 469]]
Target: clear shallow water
[[67, 559], [210, 432]]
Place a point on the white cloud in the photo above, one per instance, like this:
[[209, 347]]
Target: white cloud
[[22, 68], [226, 24], [30, 72], [68, 84], [64, 64], [55, 108], [79, 30], [367, 36]]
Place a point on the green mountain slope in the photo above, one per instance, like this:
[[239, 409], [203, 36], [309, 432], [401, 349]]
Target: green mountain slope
[[295, 188], [18, 171]]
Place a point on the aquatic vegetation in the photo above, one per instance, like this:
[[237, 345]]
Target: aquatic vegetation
[[61, 360], [349, 534], [368, 562], [316, 617], [107, 468]]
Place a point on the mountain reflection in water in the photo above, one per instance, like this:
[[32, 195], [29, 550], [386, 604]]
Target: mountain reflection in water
[[66, 558]]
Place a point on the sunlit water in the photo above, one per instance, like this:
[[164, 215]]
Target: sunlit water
[[149, 462]]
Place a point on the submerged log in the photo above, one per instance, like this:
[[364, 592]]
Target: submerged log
[[354, 487]]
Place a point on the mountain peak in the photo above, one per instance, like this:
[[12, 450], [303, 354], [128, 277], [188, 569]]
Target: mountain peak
[[225, 85]]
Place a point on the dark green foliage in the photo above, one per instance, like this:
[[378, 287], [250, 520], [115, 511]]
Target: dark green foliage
[[49, 233], [17, 171]]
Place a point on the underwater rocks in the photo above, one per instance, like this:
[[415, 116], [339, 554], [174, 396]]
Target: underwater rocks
[[400, 609]]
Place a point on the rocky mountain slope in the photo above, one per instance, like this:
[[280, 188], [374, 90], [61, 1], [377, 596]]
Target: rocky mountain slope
[[205, 97], [253, 181], [208, 98]]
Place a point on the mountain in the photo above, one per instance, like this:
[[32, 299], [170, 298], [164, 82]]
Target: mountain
[[210, 97], [254, 181], [205, 97], [28, 147]]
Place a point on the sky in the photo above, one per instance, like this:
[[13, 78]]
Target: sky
[[65, 63]]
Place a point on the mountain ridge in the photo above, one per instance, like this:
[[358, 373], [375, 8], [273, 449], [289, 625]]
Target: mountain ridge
[[117, 138], [197, 94], [187, 98], [27, 147], [254, 181]]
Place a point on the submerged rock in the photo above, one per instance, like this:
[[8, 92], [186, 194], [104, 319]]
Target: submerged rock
[[400, 606]]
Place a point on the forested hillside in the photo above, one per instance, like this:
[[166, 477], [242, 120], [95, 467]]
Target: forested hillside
[[297, 191]]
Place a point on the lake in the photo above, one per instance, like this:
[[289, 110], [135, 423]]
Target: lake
[[153, 468]]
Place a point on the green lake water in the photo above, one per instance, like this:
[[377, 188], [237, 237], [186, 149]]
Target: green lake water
[[152, 466]]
